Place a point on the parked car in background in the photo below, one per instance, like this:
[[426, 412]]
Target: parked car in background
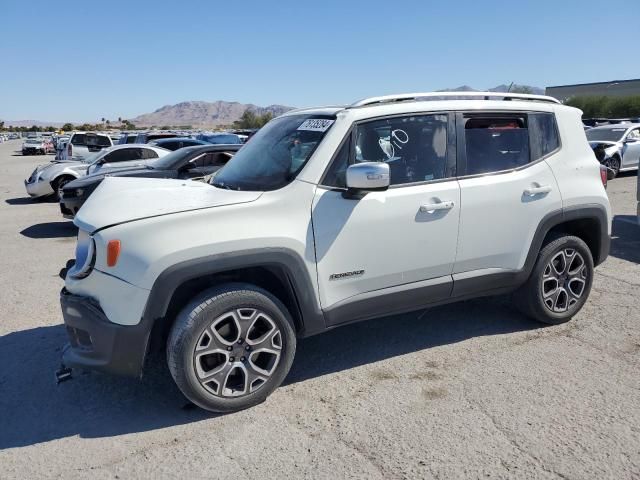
[[49, 179], [82, 144], [34, 146], [333, 215], [186, 163], [127, 137], [146, 137], [177, 143], [616, 146], [219, 138]]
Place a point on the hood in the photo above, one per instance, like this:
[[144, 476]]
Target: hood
[[51, 170], [119, 200]]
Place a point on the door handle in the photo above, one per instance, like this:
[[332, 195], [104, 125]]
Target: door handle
[[531, 191], [431, 207]]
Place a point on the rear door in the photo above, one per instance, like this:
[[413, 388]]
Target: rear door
[[506, 189]]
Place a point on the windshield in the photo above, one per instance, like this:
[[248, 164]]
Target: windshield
[[173, 159], [34, 140], [605, 134], [92, 157], [221, 138], [274, 156]]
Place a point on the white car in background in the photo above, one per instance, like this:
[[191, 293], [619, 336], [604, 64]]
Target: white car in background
[[83, 144], [34, 146], [49, 178], [617, 147]]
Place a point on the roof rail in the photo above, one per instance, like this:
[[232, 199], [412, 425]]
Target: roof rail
[[413, 97]]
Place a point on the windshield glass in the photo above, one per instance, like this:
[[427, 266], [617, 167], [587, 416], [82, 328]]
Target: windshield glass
[[92, 157], [173, 159], [34, 140], [274, 156], [221, 138], [605, 134]]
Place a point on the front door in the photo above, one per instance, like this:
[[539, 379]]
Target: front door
[[631, 149], [399, 243]]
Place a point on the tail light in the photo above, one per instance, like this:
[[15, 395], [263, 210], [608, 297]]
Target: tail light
[[603, 175], [69, 151]]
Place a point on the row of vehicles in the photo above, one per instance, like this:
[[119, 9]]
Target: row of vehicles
[[85, 153], [328, 216]]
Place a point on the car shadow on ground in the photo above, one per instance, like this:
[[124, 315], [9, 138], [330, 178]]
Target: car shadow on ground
[[51, 230], [625, 238], [33, 409], [30, 201]]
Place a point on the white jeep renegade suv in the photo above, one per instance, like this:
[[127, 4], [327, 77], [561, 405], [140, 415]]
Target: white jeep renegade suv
[[330, 216]]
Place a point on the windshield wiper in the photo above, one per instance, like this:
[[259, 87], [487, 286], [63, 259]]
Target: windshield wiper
[[224, 185]]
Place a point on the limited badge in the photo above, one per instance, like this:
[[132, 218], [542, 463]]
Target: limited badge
[[316, 125]]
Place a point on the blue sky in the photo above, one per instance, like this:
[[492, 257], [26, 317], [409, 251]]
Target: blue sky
[[80, 61]]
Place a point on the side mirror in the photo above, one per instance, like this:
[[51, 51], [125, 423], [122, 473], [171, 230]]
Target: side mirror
[[630, 140], [367, 177]]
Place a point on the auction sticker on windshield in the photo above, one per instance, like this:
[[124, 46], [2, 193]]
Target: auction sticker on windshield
[[316, 125]]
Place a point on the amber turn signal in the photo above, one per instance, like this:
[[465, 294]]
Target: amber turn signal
[[113, 252]]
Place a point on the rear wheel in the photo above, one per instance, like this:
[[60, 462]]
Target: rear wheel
[[560, 282], [231, 347]]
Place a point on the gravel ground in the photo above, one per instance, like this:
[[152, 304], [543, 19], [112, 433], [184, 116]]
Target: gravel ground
[[467, 390]]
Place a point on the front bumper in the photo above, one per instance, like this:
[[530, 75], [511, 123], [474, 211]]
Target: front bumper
[[38, 189], [69, 206], [95, 343]]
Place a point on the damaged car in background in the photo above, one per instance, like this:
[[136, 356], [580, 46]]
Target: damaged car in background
[[188, 163], [617, 147], [50, 178]]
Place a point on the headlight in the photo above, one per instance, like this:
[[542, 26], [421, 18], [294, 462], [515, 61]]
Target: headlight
[[85, 255]]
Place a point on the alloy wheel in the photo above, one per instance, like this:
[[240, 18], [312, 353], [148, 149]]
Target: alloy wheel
[[564, 280], [238, 352]]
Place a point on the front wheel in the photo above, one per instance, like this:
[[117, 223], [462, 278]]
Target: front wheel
[[59, 184], [231, 347], [560, 282], [613, 167]]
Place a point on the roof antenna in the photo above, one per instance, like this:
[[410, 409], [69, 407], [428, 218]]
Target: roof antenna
[[509, 89]]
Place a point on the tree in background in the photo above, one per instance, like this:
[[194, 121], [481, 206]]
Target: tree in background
[[607, 107], [67, 127], [1, 125], [249, 119], [521, 89]]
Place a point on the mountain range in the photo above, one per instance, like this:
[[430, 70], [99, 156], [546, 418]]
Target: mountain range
[[201, 114]]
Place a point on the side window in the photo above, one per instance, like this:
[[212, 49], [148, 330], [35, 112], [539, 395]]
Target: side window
[[212, 159], [123, 155], [336, 176], [415, 147], [634, 134], [148, 154], [496, 143], [78, 139], [543, 133]]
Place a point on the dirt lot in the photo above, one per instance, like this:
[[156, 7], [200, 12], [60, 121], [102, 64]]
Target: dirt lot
[[468, 390]]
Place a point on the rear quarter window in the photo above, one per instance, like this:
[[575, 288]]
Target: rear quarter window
[[543, 133]]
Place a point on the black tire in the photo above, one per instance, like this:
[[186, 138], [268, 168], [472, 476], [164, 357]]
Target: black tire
[[195, 322], [613, 167], [537, 298], [60, 182]]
